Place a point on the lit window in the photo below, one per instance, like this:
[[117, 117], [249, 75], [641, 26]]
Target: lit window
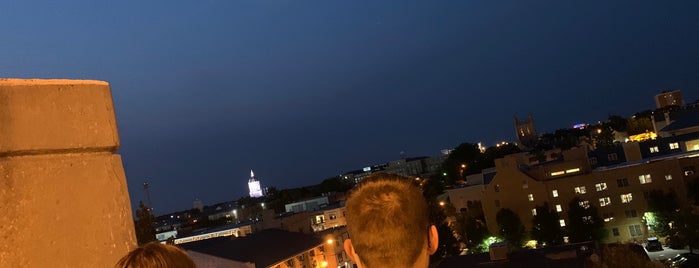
[[644, 179], [533, 212], [572, 170], [558, 173], [530, 197], [626, 198], [604, 201], [635, 230], [608, 217], [584, 204], [580, 190], [562, 222], [668, 177], [654, 149], [674, 145], [554, 193], [601, 186], [559, 208]]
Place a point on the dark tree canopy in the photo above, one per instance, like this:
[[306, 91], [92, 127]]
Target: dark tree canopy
[[511, 228], [584, 223], [546, 228], [663, 208], [470, 225], [144, 224]]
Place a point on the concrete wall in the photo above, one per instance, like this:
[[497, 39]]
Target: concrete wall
[[63, 195]]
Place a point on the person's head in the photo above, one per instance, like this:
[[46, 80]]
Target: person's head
[[156, 255], [388, 223]]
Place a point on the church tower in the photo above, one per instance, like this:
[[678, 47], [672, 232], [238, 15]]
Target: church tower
[[527, 136], [254, 186]]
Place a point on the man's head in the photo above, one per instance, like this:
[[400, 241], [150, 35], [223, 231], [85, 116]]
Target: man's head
[[388, 223]]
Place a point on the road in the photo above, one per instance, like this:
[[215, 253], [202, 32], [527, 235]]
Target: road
[[665, 254]]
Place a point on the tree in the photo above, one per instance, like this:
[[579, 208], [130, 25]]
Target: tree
[[584, 222], [638, 125], [546, 228], [685, 228], [511, 228], [144, 224], [458, 164], [617, 123], [470, 225], [604, 137], [661, 210]]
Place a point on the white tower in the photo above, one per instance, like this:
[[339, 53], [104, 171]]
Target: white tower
[[254, 186]]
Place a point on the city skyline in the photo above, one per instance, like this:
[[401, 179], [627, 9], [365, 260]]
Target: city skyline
[[302, 91]]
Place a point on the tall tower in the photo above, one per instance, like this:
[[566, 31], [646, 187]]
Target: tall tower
[[147, 192], [526, 133], [254, 186]]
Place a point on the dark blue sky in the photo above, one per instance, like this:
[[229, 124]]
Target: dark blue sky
[[303, 90]]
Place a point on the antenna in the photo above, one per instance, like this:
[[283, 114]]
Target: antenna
[[145, 189]]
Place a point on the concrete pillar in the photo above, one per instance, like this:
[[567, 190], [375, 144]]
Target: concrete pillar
[[63, 195]]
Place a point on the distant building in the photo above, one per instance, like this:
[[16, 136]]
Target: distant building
[[329, 217], [307, 205], [197, 204], [669, 98], [527, 136], [254, 185], [270, 248], [618, 190]]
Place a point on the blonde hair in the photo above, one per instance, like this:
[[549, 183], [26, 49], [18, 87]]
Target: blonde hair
[[388, 221], [156, 255]]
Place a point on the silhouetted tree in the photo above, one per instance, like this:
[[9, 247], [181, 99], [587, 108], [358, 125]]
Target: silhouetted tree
[[638, 125], [604, 138], [584, 222], [546, 228], [459, 163], [511, 228], [663, 208], [617, 123], [470, 225], [144, 224], [432, 188]]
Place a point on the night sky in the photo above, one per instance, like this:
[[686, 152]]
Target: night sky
[[302, 90]]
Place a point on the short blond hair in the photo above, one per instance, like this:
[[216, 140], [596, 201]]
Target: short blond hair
[[156, 255], [388, 220]]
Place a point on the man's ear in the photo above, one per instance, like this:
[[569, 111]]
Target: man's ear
[[349, 249], [433, 240]]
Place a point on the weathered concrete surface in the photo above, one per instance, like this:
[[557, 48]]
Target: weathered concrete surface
[[44, 116], [63, 195]]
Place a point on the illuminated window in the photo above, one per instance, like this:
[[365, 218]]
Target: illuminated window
[[584, 204], [601, 186], [622, 182], [612, 157], [626, 198], [645, 179], [654, 149], [533, 212], [554, 193], [668, 177], [572, 170], [635, 230], [556, 173], [530, 197], [559, 208], [580, 190], [608, 217], [604, 201], [562, 222], [674, 145]]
